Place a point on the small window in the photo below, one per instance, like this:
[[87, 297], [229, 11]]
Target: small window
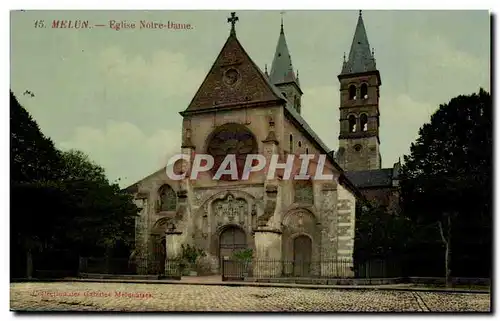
[[291, 143], [364, 91], [352, 92], [296, 102], [357, 147], [284, 94], [300, 143], [352, 124], [363, 122], [307, 150], [167, 199]]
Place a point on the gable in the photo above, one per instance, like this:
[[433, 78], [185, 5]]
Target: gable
[[148, 181], [234, 79]]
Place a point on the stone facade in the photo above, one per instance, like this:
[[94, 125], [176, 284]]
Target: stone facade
[[359, 142]]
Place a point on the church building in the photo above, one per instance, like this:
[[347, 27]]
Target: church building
[[241, 110]]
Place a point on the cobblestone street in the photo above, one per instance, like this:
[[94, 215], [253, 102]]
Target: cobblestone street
[[82, 296]]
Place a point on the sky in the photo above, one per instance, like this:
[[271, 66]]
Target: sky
[[116, 94]]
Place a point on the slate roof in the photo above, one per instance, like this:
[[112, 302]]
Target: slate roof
[[372, 178], [282, 68], [360, 57]]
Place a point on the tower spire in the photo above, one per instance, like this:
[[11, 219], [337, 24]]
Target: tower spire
[[282, 69], [282, 30], [361, 55]]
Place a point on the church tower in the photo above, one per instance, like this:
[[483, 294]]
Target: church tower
[[359, 141], [282, 74]]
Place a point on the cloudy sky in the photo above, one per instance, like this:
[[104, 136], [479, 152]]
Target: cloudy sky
[[116, 94]]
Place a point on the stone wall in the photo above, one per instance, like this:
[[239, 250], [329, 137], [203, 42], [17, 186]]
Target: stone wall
[[141, 237], [368, 157], [388, 196], [346, 218]]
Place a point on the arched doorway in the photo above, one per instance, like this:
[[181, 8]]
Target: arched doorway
[[159, 255], [232, 239], [302, 249]]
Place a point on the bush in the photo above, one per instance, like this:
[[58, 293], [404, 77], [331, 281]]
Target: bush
[[245, 255], [190, 253]]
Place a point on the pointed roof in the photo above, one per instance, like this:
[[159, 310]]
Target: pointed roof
[[360, 58], [282, 68], [233, 80]]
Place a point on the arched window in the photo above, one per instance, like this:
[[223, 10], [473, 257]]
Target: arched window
[[231, 139], [307, 150], [364, 91], [352, 92], [303, 192], [296, 103], [300, 143], [167, 199], [363, 122], [352, 124], [291, 143]]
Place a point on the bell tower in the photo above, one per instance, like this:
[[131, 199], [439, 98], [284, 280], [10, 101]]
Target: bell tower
[[359, 141]]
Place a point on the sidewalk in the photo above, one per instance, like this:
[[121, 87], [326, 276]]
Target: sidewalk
[[216, 280]]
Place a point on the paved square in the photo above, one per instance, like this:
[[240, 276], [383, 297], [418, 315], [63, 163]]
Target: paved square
[[83, 296]]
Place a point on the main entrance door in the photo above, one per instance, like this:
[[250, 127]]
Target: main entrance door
[[302, 247], [157, 265], [232, 239]]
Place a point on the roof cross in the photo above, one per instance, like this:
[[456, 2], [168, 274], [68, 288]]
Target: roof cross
[[282, 13], [233, 20]]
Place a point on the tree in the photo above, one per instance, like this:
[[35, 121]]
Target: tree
[[76, 165], [102, 214], [61, 200], [33, 156], [380, 234], [33, 161], [446, 179]]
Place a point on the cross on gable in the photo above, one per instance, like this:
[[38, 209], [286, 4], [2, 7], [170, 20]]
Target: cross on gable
[[233, 20]]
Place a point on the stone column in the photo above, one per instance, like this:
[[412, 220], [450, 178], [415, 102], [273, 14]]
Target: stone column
[[346, 215], [267, 258], [173, 247], [141, 234], [328, 257], [267, 235]]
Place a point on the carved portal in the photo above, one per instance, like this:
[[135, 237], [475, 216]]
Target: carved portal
[[230, 210]]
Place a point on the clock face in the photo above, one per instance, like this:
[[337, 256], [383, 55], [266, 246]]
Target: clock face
[[231, 76]]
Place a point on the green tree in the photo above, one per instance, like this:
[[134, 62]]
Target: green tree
[[33, 161], [446, 179], [61, 200], [380, 233], [102, 215], [33, 156]]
